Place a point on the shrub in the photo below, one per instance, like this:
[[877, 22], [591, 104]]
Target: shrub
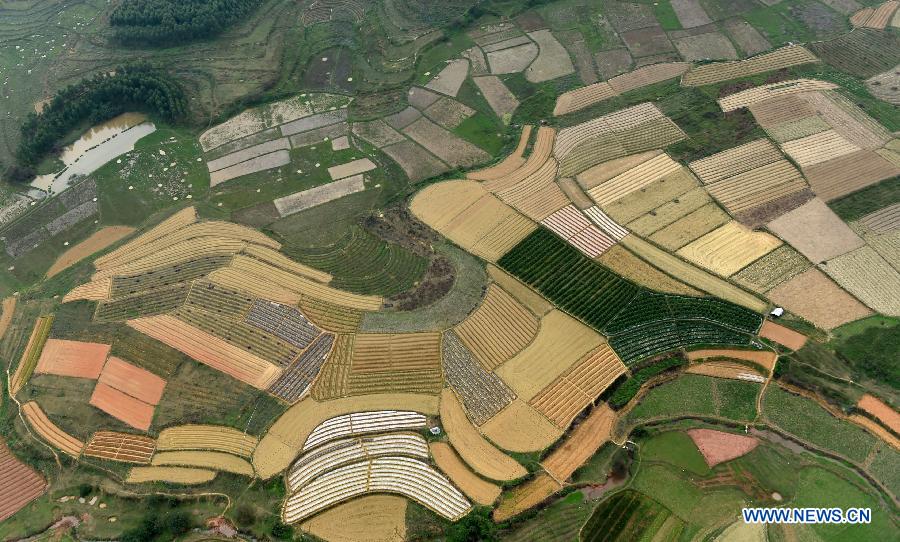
[[628, 389]]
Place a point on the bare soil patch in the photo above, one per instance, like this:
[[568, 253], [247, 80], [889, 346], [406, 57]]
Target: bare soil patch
[[451, 149], [816, 231], [818, 299], [450, 78], [612, 63], [880, 410], [719, 447], [96, 242], [749, 39], [449, 113], [647, 41], [512, 60], [840, 176], [498, 96], [886, 85], [403, 118], [690, 13], [552, 61], [782, 335], [416, 162], [711, 46]]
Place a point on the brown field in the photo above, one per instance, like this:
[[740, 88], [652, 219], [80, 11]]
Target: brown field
[[711, 45], [817, 148], [735, 161], [719, 447], [449, 463], [498, 329], [214, 438], [526, 496], [509, 164], [72, 358], [523, 293], [884, 220], [818, 299], [755, 188], [726, 369], [869, 277], [877, 18], [887, 415], [372, 518], [402, 363], [445, 145], [753, 96], [729, 248], [833, 179], [19, 483], [377, 132], [783, 263], [499, 97], [747, 38], [285, 438], [416, 162], [468, 215], [8, 308], [96, 290], [717, 72], [624, 263], [207, 460], [577, 388], [350, 169], [520, 428], [122, 406], [816, 231], [171, 475], [123, 447], [581, 444], [136, 382], [98, 241], [862, 16], [49, 431], [573, 191], [209, 350], [783, 110], [475, 450], [560, 343], [782, 335], [764, 358], [178, 220]]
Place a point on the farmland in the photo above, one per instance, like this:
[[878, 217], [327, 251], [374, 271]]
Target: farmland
[[406, 270]]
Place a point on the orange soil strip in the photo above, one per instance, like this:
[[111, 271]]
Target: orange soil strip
[[782, 335], [121, 406], [19, 483], [764, 358], [525, 496], [95, 243], [474, 487], [136, 382], [72, 358], [876, 429], [719, 447], [209, 350], [123, 447], [9, 307], [49, 431], [509, 164], [887, 415], [584, 442], [726, 369]]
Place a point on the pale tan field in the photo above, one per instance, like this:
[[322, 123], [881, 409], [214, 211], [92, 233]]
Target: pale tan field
[[8, 308], [753, 96], [498, 329], [816, 231], [633, 179], [717, 72], [520, 428], [482, 456], [124, 447], [96, 290], [395, 363], [279, 260], [214, 438], [207, 460], [449, 463], [98, 241], [537, 195], [774, 268], [757, 187], [691, 227], [509, 164], [729, 248], [373, 518], [871, 279], [605, 171], [178, 220], [285, 438], [560, 343], [735, 161], [49, 431], [580, 98], [526, 496], [172, 475], [532, 300], [692, 275], [817, 148], [726, 369], [656, 194], [623, 262], [764, 358], [818, 299], [581, 444], [843, 175]]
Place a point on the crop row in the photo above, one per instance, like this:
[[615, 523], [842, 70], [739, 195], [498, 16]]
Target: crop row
[[166, 275], [666, 335], [144, 303]]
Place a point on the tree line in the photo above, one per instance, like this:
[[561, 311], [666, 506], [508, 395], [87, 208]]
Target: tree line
[[140, 88], [169, 22]]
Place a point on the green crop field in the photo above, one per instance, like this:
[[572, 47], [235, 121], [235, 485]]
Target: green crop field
[[628, 516], [694, 395]]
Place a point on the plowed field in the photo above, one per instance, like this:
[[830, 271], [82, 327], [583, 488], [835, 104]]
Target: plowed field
[[123, 447]]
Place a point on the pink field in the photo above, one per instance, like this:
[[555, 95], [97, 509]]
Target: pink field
[[72, 358], [718, 447], [134, 381], [122, 406]]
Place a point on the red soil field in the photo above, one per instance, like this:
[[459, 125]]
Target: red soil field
[[123, 447], [887, 415], [782, 335], [718, 447], [122, 406], [19, 483], [72, 358], [136, 382]]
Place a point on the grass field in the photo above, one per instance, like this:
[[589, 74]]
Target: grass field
[[697, 396]]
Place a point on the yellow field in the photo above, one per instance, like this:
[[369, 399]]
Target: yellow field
[[648, 75], [693, 275], [332, 379], [98, 241], [821, 147], [690, 227], [373, 518], [540, 153], [208, 460], [624, 263], [228, 277], [729, 248], [716, 72], [31, 355], [197, 247], [580, 98], [560, 343], [395, 363], [521, 428], [215, 438], [475, 450], [633, 179], [562, 400], [526, 496], [284, 440], [736, 160], [581, 444], [509, 164], [178, 220], [450, 464], [605, 171], [49, 431], [468, 215], [537, 195], [661, 191], [498, 329], [523, 293], [92, 291], [669, 212], [726, 369], [172, 475], [273, 257], [746, 98]]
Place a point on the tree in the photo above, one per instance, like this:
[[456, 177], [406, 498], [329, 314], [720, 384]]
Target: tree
[[475, 527]]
